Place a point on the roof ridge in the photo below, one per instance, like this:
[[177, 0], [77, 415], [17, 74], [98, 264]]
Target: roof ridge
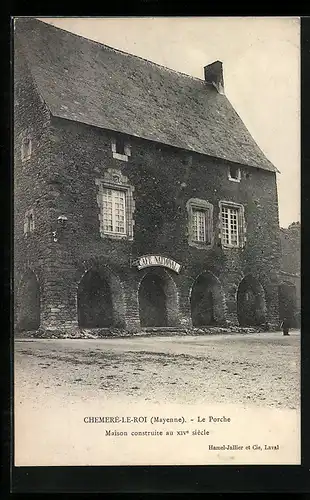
[[114, 49]]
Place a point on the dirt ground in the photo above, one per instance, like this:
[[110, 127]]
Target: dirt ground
[[249, 370]]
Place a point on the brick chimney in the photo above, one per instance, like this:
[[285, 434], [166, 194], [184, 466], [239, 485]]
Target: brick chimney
[[214, 75]]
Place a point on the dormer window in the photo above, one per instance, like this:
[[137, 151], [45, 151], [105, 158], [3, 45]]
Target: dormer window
[[120, 149], [234, 173], [26, 148]]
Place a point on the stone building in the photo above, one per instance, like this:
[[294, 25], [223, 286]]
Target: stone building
[[289, 276], [141, 200]]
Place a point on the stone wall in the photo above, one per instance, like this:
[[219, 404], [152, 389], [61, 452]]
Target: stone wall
[[290, 246], [290, 273], [31, 192]]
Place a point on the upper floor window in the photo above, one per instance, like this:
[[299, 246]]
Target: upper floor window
[[232, 224], [116, 205], [200, 214], [200, 226], [120, 148], [29, 222], [114, 211], [234, 173], [26, 148]]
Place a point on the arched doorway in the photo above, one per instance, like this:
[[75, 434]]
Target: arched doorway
[[287, 302], [251, 304], [29, 302], [207, 301], [94, 301], [158, 300]]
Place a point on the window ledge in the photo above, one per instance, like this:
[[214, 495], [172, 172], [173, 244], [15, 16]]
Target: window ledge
[[233, 179], [118, 156], [200, 246], [115, 236], [236, 247]]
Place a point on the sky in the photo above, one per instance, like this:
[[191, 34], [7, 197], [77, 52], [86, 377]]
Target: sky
[[261, 61]]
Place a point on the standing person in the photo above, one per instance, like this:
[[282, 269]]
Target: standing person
[[285, 326]]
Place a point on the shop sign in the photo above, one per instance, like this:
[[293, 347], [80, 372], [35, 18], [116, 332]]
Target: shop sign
[[156, 260]]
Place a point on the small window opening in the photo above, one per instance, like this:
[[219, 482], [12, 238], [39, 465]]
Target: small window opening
[[234, 173], [29, 222], [120, 146], [26, 148]]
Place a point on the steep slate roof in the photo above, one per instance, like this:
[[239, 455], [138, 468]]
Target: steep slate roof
[[88, 82]]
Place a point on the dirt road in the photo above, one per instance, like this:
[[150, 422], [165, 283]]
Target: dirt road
[[248, 370]]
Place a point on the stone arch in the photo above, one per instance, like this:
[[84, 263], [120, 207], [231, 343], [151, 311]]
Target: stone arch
[[288, 302], [251, 302], [158, 299], [28, 302], [100, 299], [207, 300]]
